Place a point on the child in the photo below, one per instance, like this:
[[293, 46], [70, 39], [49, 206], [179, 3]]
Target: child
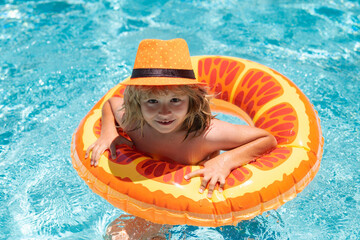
[[166, 113]]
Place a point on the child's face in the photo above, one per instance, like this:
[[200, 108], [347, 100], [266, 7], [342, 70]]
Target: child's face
[[165, 113]]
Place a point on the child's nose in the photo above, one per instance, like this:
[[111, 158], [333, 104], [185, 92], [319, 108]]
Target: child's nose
[[164, 109]]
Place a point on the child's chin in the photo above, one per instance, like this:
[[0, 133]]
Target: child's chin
[[165, 128], [165, 131]]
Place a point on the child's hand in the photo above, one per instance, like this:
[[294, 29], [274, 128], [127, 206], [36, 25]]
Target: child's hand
[[214, 171], [103, 143]]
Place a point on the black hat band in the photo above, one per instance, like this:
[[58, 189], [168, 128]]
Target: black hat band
[[162, 72]]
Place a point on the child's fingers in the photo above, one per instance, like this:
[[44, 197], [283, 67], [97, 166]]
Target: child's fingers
[[113, 150], [93, 155], [97, 152], [89, 149], [98, 155], [222, 182], [204, 183], [94, 160], [212, 185], [195, 173]]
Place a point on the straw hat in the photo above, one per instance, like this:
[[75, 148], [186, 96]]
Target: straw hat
[[162, 62]]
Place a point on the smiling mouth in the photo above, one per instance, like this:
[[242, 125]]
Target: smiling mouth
[[166, 122]]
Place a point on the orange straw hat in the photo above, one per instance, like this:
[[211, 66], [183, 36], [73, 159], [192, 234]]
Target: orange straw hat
[[162, 62]]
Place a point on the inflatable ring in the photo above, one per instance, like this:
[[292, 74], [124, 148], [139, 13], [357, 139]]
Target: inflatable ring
[[156, 190]]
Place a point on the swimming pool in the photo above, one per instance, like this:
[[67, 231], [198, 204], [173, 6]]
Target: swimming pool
[[60, 57]]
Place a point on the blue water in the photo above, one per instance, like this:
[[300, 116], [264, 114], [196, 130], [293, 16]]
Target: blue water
[[57, 58]]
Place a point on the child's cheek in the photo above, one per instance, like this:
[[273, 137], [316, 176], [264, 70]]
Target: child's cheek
[[153, 108], [181, 107], [148, 109]]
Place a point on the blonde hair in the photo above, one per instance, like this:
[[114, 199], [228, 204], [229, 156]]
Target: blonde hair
[[198, 116]]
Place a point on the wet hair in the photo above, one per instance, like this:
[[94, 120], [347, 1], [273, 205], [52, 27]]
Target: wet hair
[[198, 116]]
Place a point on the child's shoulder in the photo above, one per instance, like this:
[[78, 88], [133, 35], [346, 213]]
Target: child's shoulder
[[227, 134], [217, 126], [218, 130], [116, 100]]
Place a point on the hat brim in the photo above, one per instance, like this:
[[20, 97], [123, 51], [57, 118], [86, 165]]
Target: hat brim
[[161, 81]]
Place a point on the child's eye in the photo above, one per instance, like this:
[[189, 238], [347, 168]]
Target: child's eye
[[175, 100], [152, 101]]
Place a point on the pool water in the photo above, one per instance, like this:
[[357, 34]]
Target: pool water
[[58, 58]]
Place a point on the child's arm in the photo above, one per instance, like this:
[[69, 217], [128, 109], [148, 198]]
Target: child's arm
[[109, 136], [243, 144]]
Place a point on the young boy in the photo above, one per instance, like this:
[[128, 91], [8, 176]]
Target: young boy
[[166, 114]]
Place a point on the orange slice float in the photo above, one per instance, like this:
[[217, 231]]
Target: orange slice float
[[156, 190]]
